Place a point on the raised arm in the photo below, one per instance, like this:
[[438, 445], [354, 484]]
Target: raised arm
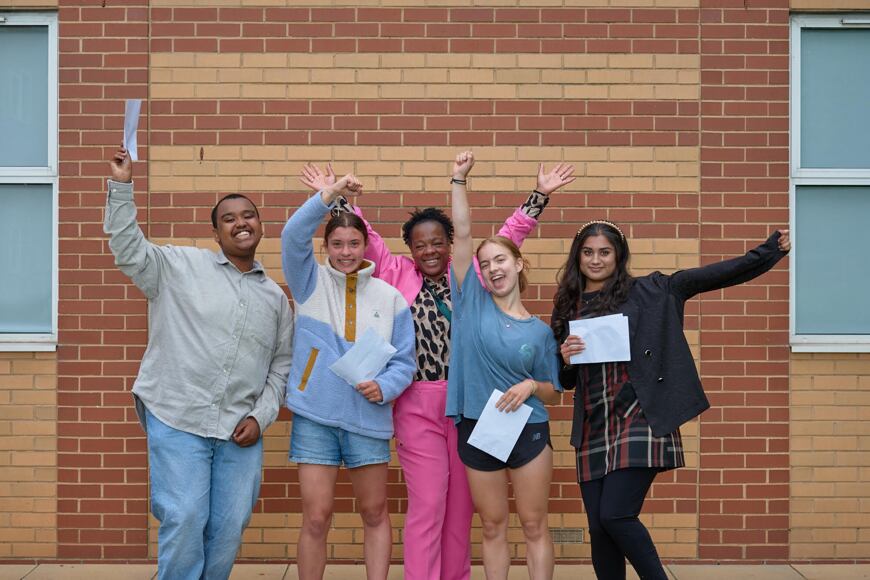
[[134, 255], [524, 219], [387, 266], [297, 249], [463, 245], [687, 283]]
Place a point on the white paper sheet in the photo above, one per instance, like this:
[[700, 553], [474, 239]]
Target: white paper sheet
[[365, 359], [497, 432], [131, 124], [606, 339]]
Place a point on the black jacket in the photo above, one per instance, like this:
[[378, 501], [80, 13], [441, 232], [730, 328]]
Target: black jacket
[[662, 370]]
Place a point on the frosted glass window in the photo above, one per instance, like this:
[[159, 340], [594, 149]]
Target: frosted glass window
[[26, 255], [24, 78], [832, 278], [835, 98]]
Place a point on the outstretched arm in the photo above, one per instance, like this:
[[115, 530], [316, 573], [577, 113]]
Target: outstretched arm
[[463, 250], [688, 283]]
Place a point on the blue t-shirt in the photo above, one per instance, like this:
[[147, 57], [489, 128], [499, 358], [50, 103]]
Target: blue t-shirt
[[491, 350]]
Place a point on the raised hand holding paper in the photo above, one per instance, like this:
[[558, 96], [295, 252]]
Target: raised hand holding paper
[[131, 124]]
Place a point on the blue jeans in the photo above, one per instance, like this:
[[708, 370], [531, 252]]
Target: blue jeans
[[202, 491]]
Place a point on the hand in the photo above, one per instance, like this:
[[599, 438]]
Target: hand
[[315, 179], [347, 185], [784, 241], [463, 164], [515, 396], [247, 432], [560, 175], [572, 345], [122, 166], [371, 390]]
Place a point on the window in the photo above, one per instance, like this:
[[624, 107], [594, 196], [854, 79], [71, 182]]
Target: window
[[830, 182], [28, 181]]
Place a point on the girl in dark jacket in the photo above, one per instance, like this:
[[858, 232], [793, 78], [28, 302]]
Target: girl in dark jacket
[[627, 414]]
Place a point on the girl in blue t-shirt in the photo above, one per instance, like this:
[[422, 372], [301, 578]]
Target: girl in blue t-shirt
[[497, 344]]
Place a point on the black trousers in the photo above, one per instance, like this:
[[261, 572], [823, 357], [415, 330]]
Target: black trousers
[[613, 504]]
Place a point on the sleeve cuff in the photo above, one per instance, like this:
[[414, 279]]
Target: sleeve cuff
[[257, 416], [341, 205], [119, 190], [535, 204]]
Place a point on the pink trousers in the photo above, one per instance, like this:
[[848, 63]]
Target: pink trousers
[[437, 537]]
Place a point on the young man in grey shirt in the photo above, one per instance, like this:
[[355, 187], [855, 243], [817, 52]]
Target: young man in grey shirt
[[212, 378]]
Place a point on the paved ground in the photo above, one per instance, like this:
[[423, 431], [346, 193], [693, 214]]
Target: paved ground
[[288, 572]]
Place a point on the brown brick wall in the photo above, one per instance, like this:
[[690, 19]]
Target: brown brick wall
[[675, 113], [830, 456], [28, 455]]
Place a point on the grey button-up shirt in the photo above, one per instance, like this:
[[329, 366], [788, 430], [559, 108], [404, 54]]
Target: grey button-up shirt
[[219, 340]]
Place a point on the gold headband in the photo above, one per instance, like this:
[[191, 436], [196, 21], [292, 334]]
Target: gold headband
[[604, 222]]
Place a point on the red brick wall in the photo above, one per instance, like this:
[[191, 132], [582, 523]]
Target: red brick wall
[[744, 475], [102, 475]]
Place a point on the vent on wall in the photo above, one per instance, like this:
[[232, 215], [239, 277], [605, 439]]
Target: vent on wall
[[567, 535]]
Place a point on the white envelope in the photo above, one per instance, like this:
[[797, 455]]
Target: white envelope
[[496, 431], [365, 359], [131, 124], [606, 339]]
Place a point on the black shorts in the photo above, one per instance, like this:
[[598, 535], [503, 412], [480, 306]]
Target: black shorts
[[533, 438]]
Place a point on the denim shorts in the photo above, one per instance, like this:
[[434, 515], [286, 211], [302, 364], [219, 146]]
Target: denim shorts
[[311, 442]]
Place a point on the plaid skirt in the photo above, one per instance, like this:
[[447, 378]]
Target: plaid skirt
[[616, 434]]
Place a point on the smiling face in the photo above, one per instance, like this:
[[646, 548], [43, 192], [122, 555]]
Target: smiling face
[[597, 262], [500, 269], [430, 248], [238, 229], [345, 248]]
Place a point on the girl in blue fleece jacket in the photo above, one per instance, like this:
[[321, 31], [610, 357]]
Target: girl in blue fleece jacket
[[336, 423]]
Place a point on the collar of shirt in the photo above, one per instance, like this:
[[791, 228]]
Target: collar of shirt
[[221, 258]]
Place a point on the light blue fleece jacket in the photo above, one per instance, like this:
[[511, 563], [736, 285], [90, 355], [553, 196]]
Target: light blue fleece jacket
[[331, 310]]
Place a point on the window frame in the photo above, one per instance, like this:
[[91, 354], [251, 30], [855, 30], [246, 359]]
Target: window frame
[[48, 174], [802, 176]]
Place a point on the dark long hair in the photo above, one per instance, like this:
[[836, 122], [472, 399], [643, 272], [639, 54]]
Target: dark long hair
[[568, 301]]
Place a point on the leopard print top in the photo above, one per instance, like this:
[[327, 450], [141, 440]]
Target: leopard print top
[[432, 332]]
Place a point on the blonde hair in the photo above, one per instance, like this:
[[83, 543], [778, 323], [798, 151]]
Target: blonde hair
[[511, 247]]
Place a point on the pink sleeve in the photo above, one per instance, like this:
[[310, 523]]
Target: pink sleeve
[[516, 228], [387, 266]]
